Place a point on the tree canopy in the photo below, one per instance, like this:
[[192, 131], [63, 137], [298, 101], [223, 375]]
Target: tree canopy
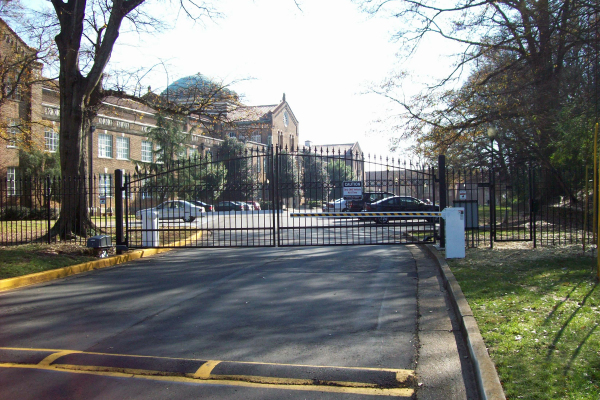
[[527, 68]]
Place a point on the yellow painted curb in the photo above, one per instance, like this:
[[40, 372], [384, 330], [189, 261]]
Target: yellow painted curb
[[45, 276], [39, 277]]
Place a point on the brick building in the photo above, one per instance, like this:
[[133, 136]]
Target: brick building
[[119, 137]]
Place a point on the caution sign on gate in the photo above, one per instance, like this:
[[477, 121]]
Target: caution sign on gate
[[352, 190]]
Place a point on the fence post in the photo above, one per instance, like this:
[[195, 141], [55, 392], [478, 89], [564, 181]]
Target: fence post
[[48, 203], [443, 195], [119, 209], [276, 194]]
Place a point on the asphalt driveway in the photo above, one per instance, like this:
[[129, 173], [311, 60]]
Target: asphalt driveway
[[303, 322]]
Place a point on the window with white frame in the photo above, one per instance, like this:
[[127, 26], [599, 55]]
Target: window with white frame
[[105, 185], [123, 124], [51, 140], [11, 181], [256, 138], [231, 135], [146, 151], [122, 148], [104, 146], [13, 131], [193, 153]]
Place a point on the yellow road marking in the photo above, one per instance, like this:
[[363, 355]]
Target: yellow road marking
[[205, 370], [405, 378], [311, 388], [53, 357]]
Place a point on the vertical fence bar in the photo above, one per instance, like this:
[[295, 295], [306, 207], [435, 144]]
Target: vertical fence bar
[[443, 196], [48, 193], [119, 209]]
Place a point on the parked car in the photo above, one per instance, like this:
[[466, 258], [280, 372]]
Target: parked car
[[336, 205], [229, 206], [175, 209], [400, 203], [368, 198], [245, 206], [254, 205], [207, 207]]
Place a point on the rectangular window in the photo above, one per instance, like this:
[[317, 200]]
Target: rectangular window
[[11, 181], [256, 138], [104, 146], [122, 148], [105, 121], [146, 151], [105, 185], [51, 139], [123, 124], [232, 135], [11, 88], [13, 133], [193, 153]]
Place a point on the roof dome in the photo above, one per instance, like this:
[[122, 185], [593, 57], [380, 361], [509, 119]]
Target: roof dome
[[192, 81], [197, 85]]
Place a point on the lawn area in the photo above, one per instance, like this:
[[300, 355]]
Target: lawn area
[[538, 311], [31, 258]]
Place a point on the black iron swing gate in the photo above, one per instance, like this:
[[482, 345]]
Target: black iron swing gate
[[248, 199]]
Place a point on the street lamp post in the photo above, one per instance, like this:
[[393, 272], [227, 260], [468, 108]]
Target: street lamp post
[[492, 133]]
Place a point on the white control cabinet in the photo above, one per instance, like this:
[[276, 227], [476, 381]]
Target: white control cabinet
[[455, 231]]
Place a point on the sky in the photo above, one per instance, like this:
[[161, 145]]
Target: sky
[[323, 57]]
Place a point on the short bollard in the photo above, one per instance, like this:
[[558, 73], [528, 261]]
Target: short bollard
[[150, 237]]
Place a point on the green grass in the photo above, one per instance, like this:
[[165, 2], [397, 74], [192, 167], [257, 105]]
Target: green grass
[[32, 258], [539, 317]]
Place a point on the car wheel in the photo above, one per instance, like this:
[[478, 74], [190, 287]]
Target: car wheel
[[189, 219], [382, 220]]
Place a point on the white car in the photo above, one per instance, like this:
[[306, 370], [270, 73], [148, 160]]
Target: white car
[[175, 209], [336, 205]]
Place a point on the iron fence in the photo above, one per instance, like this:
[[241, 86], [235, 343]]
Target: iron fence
[[30, 207], [542, 206]]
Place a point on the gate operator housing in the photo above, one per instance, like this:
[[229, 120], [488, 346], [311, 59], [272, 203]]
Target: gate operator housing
[[455, 231], [100, 244]]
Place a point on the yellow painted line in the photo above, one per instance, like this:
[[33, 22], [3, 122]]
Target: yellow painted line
[[270, 380], [403, 392], [205, 370], [53, 357], [184, 242]]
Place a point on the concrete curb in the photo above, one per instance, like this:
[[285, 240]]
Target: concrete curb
[[40, 277], [486, 375]]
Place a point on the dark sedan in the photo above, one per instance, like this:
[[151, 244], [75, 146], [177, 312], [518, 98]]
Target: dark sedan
[[207, 207], [400, 203], [229, 206]]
